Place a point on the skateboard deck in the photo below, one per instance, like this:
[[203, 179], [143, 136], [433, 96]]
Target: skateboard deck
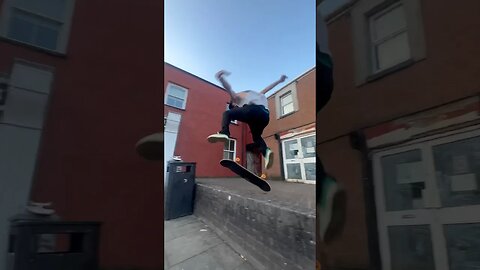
[[245, 174]]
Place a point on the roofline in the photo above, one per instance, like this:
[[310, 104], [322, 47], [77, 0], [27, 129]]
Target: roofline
[[191, 74], [340, 12], [294, 80]]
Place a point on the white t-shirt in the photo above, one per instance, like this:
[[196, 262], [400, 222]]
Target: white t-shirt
[[252, 97]]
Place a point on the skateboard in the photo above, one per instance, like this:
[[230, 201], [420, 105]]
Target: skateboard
[[245, 174]]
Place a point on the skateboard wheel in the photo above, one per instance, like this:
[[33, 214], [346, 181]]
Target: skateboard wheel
[[237, 159], [263, 176]]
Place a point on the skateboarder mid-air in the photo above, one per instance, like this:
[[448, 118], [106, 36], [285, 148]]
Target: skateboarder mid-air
[[249, 107]]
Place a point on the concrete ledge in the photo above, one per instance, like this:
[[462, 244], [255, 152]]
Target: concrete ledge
[[269, 235]]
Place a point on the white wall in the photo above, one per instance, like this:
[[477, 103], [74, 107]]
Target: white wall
[[21, 126], [170, 139]]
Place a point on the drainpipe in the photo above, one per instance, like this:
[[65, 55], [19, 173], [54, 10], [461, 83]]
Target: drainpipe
[[244, 145], [359, 142], [280, 154]]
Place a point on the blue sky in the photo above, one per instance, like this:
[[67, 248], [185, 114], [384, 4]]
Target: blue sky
[[256, 40]]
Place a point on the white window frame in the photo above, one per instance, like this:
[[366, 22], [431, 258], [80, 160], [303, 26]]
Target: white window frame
[[233, 121], [230, 151], [282, 106], [374, 43], [292, 88], [300, 159], [64, 33], [167, 93], [433, 214]]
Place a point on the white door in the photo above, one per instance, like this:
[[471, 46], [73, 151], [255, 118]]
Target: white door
[[172, 124], [21, 124], [428, 203], [299, 159]]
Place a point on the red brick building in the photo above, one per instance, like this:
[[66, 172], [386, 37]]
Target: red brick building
[[82, 86], [291, 131], [401, 133]]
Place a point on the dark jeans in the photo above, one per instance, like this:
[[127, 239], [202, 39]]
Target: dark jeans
[[257, 118], [324, 81]]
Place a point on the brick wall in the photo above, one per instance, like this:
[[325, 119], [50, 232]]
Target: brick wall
[[269, 237]]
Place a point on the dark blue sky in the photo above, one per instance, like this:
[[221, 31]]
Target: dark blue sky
[[256, 40]]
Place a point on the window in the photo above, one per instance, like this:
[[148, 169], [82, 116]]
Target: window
[[286, 100], [389, 38], [286, 104], [44, 24], [233, 121], [176, 96], [299, 159], [229, 149], [28, 93]]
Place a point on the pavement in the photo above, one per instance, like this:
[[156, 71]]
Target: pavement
[[295, 196], [191, 245]]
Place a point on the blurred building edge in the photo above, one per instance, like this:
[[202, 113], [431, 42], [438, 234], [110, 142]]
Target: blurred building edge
[[401, 132], [77, 99]]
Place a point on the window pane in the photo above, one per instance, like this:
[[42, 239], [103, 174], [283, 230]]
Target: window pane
[[231, 156], [293, 171], [175, 102], [225, 155], [284, 100], [463, 243], [393, 51], [179, 103], [291, 149], [287, 109], [51, 8], [404, 180], [457, 166], [47, 37], [310, 171], [232, 145], [411, 247], [32, 29], [308, 146], [389, 23], [21, 28], [176, 92]]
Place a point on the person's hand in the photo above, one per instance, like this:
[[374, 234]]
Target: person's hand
[[283, 78], [221, 73]]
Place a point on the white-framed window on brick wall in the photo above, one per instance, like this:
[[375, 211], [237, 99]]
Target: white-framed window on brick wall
[[286, 103], [229, 149], [389, 44], [44, 24], [176, 96]]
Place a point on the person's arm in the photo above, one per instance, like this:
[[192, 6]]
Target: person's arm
[[224, 82], [271, 86]]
